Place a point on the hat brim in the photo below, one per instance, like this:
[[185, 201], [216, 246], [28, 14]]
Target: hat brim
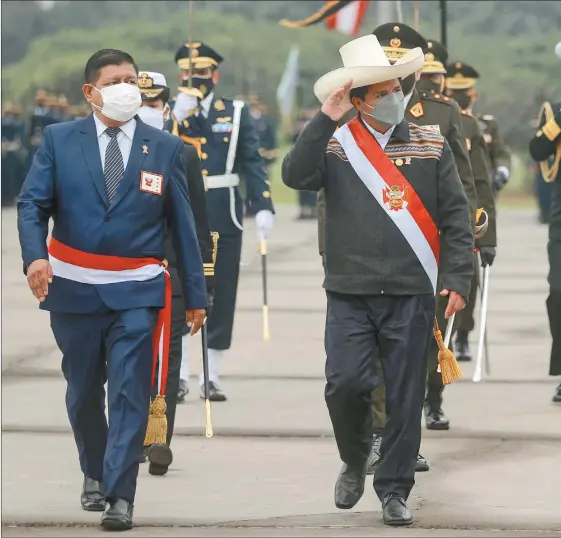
[[410, 62]]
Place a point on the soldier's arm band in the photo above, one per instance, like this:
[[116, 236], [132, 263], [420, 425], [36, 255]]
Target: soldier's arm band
[[551, 129]]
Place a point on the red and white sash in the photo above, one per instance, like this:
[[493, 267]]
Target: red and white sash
[[393, 192], [99, 269]]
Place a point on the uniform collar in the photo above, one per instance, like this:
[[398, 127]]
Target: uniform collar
[[205, 104], [128, 128]]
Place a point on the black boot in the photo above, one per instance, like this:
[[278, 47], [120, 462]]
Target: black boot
[[557, 395], [434, 416], [462, 346]]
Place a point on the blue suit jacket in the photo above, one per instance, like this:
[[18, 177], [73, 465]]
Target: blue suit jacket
[[66, 182]]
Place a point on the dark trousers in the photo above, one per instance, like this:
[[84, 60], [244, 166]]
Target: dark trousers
[[307, 199], [554, 314], [464, 318], [114, 347], [359, 332], [227, 272], [174, 364]]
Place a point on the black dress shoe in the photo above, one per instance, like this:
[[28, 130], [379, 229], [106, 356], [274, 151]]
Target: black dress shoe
[[215, 394], [557, 395], [144, 456], [374, 457], [422, 464], [92, 498], [160, 458], [117, 515], [349, 486], [395, 511], [461, 347], [436, 419], [183, 391]]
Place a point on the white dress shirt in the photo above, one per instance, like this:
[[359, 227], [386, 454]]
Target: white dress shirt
[[124, 139], [382, 138], [205, 104]]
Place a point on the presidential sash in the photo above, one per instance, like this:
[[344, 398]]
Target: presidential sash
[[393, 192]]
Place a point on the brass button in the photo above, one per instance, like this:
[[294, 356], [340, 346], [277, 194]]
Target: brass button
[[205, 172], [204, 156], [225, 139], [203, 140], [266, 194], [399, 162]]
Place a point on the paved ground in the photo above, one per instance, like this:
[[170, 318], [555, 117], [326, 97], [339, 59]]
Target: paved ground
[[271, 466]]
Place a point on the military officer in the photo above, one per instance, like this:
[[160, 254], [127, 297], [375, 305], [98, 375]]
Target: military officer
[[13, 130], [464, 77], [480, 161], [224, 134], [544, 147], [39, 120]]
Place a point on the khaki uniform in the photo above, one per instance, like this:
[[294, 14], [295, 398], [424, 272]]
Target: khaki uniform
[[480, 164], [427, 109], [498, 152]]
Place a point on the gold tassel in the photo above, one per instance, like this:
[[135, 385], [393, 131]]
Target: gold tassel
[[157, 430], [449, 368]]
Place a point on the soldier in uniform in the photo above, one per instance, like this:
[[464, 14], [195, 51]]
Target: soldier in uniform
[[267, 132], [443, 115], [224, 134], [464, 78], [13, 131], [545, 148], [306, 200], [481, 165], [155, 111], [40, 118]]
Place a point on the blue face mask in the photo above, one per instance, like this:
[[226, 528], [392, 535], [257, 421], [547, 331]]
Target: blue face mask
[[389, 110]]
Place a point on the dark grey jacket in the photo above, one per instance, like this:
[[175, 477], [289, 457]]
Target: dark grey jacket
[[365, 252]]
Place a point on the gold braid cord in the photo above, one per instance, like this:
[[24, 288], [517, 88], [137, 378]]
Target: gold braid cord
[[549, 171], [329, 8]]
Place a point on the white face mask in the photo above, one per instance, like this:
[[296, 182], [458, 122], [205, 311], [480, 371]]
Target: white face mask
[[120, 101], [152, 116]]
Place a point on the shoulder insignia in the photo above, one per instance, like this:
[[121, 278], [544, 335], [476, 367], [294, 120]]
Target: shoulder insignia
[[468, 143], [417, 111], [219, 105]]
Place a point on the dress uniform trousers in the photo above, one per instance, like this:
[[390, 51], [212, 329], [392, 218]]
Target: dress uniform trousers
[[226, 275], [114, 345], [307, 199], [465, 320], [175, 352], [554, 298], [360, 331]]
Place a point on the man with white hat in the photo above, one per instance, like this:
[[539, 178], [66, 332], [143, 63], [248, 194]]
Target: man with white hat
[[397, 219]]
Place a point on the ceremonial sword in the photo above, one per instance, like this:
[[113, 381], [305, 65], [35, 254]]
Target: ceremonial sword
[[483, 327]]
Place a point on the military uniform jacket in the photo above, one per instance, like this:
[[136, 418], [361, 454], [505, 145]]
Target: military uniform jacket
[[545, 145], [365, 252], [196, 189], [498, 152], [267, 132], [480, 164], [443, 115], [211, 136]]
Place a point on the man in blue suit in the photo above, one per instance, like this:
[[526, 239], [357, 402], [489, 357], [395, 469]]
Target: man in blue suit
[[110, 182]]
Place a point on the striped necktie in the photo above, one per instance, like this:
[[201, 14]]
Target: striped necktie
[[114, 167]]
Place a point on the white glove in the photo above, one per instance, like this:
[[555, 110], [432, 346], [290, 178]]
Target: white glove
[[264, 220], [183, 104]]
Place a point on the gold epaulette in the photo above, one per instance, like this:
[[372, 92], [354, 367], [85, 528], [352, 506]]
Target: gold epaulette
[[551, 129]]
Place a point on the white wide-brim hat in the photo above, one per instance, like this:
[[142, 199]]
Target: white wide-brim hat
[[365, 63]]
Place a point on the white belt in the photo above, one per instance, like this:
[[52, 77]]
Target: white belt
[[222, 181]]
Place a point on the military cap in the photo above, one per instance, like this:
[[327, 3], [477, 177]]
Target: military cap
[[201, 54], [436, 57], [41, 95], [151, 84], [396, 39], [460, 76], [62, 101]]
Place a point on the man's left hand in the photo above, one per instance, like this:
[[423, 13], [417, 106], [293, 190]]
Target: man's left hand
[[500, 177], [455, 302], [264, 220], [195, 319], [487, 255]]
